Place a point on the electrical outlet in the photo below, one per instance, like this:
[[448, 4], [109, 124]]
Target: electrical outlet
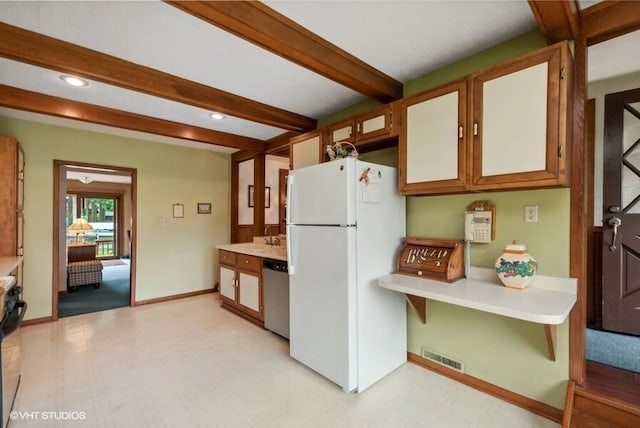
[[530, 213]]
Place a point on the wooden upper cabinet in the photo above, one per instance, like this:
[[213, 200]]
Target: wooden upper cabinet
[[306, 149], [377, 125], [432, 148], [509, 130], [520, 122], [345, 130], [368, 131], [11, 197]]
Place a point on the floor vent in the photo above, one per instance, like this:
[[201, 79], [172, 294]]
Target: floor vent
[[442, 360]]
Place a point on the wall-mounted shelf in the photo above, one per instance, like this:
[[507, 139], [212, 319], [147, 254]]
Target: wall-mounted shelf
[[547, 300]]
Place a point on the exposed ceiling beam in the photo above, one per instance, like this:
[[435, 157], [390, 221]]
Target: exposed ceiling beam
[[263, 26], [279, 145], [46, 104], [557, 20], [242, 156], [43, 51], [609, 19]]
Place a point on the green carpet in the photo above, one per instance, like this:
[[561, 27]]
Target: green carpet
[[113, 293], [617, 350]]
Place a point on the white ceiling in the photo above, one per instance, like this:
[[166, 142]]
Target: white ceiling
[[404, 39], [614, 57]]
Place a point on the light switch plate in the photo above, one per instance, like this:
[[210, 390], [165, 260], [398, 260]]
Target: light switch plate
[[530, 213]]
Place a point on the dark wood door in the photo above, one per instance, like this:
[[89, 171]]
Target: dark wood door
[[621, 213]]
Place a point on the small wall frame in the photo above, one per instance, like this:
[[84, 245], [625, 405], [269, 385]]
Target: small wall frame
[[178, 210], [267, 196], [204, 208]]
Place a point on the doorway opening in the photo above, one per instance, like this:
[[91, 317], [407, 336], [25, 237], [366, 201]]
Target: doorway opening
[[102, 213], [612, 342], [94, 238]]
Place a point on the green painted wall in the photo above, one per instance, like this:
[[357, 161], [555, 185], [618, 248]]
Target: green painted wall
[[505, 352], [172, 259]]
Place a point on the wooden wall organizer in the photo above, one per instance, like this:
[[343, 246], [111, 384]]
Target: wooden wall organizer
[[439, 259], [486, 206]]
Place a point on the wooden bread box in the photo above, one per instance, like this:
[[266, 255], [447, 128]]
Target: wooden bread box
[[439, 259]]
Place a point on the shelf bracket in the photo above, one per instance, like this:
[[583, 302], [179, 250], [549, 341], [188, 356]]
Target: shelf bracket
[[419, 305], [550, 333]]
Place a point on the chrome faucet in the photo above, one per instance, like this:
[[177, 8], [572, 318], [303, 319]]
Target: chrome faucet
[[270, 241]]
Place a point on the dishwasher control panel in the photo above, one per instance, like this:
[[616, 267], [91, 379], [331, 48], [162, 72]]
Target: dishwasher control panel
[[277, 265]]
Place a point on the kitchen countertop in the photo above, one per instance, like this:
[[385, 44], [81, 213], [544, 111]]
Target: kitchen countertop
[[8, 264], [258, 250]]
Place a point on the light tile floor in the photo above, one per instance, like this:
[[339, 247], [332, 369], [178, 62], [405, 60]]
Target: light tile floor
[[189, 363]]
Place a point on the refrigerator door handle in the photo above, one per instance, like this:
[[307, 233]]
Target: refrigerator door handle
[[290, 265], [289, 192]]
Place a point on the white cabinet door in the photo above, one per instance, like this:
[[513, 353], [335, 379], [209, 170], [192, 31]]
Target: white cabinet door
[[306, 152], [514, 118], [249, 291], [342, 131], [432, 142], [520, 120], [227, 282]]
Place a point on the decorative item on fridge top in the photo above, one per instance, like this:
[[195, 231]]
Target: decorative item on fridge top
[[515, 267], [439, 259], [338, 151]]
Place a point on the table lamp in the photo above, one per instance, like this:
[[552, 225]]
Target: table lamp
[[79, 226]]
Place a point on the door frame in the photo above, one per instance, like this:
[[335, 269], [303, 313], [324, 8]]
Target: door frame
[[578, 214], [59, 193]]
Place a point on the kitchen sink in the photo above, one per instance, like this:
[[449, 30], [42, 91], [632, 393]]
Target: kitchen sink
[[281, 251], [262, 250]]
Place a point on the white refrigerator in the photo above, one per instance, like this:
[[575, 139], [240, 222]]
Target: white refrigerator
[[345, 224]]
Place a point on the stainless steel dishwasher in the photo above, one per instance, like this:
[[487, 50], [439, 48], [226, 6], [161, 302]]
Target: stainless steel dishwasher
[[275, 283]]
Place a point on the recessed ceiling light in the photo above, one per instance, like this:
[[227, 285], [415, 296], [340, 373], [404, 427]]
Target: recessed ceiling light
[[216, 116], [74, 81]]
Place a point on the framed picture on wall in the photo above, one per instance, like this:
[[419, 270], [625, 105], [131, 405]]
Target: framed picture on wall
[[267, 196], [178, 210], [204, 208]]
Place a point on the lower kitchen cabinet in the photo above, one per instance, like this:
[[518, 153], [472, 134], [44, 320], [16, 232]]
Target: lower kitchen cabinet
[[241, 285]]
